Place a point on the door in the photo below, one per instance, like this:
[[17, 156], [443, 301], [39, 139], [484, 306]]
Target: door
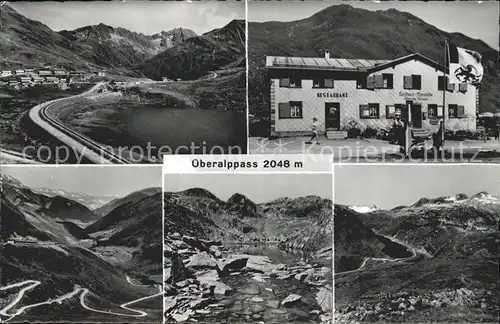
[[332, 115], [416, 115]]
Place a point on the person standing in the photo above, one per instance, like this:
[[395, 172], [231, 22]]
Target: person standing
[[496, 130], [438, 138], [314, 128]]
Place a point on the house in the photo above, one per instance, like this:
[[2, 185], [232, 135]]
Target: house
[[52, 79], [26, 79], [45, 72], [346, 93], [20, 71], [60, 73], [6, 72], [101, 73]]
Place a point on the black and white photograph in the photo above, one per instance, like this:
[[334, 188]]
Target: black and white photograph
[[122, 81], [368, 80], [416, 244], [80, 244], [248, 248]]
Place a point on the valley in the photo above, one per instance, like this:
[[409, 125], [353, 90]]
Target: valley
[[171, 77], [434, 260], [63, 262], [238, 261]]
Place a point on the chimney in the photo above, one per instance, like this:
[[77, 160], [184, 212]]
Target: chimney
[[327, 54]]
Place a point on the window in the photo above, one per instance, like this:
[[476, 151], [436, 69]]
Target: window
[[293, 82], [387, 80], [377, 81], [462, 87], [295, 109], [369, 111], [391, 111], [412, 82], [456, 111], [432, 110], [361, 83], [441, 84], [323, 83], [292, 109]]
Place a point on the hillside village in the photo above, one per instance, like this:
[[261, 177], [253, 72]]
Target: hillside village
[[31, 77]]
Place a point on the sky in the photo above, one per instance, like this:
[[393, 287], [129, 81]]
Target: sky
[[259, 188], [138, 16], [98, 181], [474, 19], [388, 186]]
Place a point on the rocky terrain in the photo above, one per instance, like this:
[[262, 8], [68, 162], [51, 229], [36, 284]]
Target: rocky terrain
[[223, 263], [355, 33], [56, 270], [434, 261]]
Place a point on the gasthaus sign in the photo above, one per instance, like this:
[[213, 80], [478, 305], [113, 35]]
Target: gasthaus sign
[[419, 96]]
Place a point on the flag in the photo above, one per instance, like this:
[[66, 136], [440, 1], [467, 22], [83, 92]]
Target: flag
[[464, 65]]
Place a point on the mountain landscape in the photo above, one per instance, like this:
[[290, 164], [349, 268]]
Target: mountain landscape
[[354, 33], [218, 49], [63, 262], [172, 75], [436, 260], [239, 261], [178, 53]]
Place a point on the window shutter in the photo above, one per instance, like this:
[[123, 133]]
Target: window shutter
[[370, 82], [450, 86], [379, 81], [285, 82], [461, 111], [284, 110], [462, 87], [328, 83], [408, 84], [362, 108]]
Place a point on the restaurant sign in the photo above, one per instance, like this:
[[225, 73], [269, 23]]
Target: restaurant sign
[[332, 95], [418, 96]]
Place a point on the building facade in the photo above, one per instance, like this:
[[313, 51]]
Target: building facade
[[346, 93]]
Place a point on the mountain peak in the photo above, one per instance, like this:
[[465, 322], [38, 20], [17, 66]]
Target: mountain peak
[[198, 192]]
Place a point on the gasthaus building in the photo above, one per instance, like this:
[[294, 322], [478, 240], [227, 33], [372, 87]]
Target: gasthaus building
[[347, 93]]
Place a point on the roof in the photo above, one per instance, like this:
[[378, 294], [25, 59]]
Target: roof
[[342, 64]]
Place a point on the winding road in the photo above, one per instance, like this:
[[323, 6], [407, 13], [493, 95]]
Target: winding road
[[82, 145], [31, 284], [413, 256]]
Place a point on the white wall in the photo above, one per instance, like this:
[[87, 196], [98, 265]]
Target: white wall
[[313, 106]]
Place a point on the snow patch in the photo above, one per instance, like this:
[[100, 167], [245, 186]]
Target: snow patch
[[363, 209]]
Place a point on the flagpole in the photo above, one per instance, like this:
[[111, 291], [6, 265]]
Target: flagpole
[[445, 84]]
